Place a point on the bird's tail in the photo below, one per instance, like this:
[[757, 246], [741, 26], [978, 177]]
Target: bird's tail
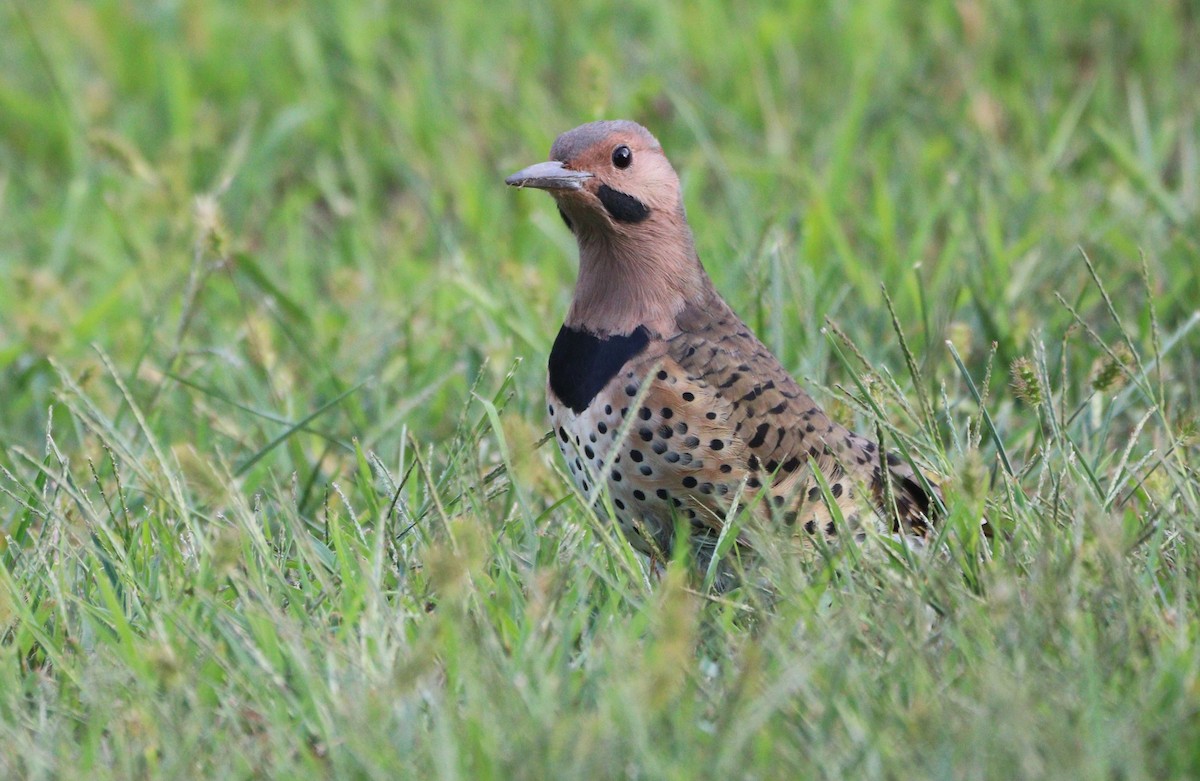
[[917, 500]]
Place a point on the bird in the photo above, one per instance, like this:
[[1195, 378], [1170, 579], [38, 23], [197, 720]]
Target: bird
[[657, 390]]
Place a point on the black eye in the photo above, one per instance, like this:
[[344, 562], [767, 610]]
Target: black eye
[[622, 156]]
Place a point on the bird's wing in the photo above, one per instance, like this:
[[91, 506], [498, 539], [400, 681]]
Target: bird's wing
[[773, 433]]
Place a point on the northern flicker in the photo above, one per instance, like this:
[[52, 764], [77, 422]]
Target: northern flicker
[[651, 361]]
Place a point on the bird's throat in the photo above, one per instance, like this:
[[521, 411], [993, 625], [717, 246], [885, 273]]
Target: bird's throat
[[624, 285]]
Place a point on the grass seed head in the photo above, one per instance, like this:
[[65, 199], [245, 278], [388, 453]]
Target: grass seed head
[[1110, 372], [1026, 384]]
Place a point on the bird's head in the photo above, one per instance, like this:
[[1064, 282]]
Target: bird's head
[[619, 195], [608, 178]]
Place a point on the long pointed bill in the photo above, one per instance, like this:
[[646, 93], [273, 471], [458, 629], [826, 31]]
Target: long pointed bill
[[550, 175]]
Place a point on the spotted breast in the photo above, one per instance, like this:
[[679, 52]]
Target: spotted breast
[[717, 415]]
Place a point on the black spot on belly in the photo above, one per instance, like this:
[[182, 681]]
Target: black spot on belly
[[581, 363]]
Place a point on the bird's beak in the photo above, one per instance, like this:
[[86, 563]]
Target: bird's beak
[[551, 175]]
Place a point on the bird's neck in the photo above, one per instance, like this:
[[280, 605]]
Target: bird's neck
[[625, 283]]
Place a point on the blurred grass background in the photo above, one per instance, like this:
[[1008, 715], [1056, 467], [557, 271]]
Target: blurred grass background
[[272, 338]]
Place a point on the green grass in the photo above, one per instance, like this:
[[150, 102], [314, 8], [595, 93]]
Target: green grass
[[272, 337]]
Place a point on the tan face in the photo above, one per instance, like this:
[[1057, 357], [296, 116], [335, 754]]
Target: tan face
[[606, 177]]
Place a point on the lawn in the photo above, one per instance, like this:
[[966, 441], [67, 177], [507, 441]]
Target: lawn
[[273, 334]]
